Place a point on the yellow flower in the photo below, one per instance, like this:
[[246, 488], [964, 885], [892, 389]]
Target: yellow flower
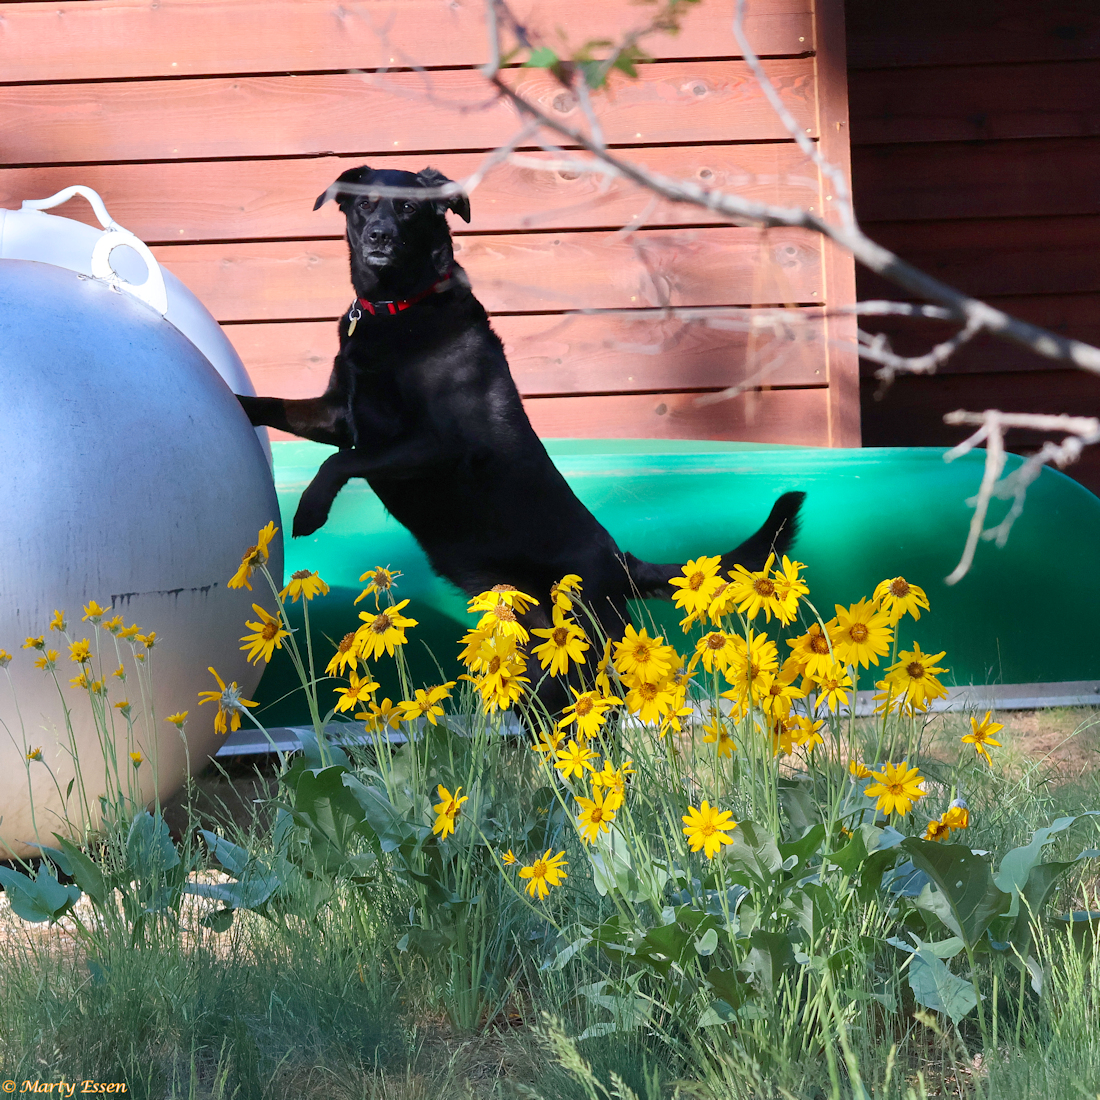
[[957, 815], [381, 578], [80, 652], [124, 706], [5, 658], [589, 711], [346, 656], [544, 872], [718, 649], [267, 636], [574, 759], [651, 702], [860, 771], [596, 815], [896, 596], [58, 621], [789, 589], [696, 588], [48, 660], [149, 640], [135, 759], [506, 594], [80, 681], [93, 612], [129, 631], [913, 678], [811, 652], [612, 780], [716, 734], [230, 702], [722, 602], [35, 754], [782, 739], [805, 732], [379, 716], [383, 632], [254, 557], [35, 643], [355, 693], [981, 735], [746, 671], [565, 642], [643, 658], [306, 584], [755, 592], [708, 828], [861, 633], [937, 830], [896, 788], [603, 681], [777, 695], [508, 858], [565, 591], [501, 619], [832, 687], [113, 625], [548, 742], [425, 703], [96, 688], [177, 719], [501, 685], [119, 673], [446, 810]]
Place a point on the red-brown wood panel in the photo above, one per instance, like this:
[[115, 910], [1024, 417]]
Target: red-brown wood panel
[[569, 353], [262, 281], [94, 40], [700, 102], [944, 32], [961, 103], [1075, 315], [990, 257], [240, 199], [788, 416], [998, 179]]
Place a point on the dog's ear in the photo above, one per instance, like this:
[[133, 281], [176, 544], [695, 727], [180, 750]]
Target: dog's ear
[[460, 203], [339, 192]]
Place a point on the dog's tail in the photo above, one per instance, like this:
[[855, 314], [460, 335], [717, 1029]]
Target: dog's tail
[[777, 535]]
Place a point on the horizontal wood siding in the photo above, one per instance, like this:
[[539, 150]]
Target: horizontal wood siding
[[976, 155], [210, 126]]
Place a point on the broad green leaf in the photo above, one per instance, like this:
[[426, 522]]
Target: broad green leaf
[[149, 848], [664, 945], [218, 921], [935, 987], [85, 872], [803, 849], [729, 985], [966, 882], [717, 1014], [542, 58], [37, 899], [771, 955], [756, 851], [389, 826], [707, 943]]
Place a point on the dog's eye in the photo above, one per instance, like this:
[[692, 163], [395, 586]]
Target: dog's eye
[[408, 207]]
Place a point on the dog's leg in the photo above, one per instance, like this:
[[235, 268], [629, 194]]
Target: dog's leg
[[316, 418]]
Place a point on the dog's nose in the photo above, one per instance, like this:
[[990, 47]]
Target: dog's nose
[[379, 235]]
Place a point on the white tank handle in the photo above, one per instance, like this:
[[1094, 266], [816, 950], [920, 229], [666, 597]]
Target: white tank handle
[[152, 291]]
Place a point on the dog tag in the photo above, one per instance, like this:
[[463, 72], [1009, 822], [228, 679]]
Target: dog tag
[[353, 318]]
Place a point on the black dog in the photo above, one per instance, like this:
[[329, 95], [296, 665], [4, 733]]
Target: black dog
[[422, 405]]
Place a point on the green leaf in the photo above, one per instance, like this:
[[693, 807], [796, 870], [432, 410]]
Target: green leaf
[[219, 920], [756, 851], [966, 883], [803, 849], [935, 987], [717, 1014], [149, 848], [390, 827], [730, 986], [37, 899], [664, 945], [542, 58], [707, 943], [85, 873], [771, 955], [849, 858]]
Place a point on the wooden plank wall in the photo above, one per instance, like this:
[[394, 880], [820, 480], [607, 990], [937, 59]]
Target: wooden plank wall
[[976, 155], [209, 127]]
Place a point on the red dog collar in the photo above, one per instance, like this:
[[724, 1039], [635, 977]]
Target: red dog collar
[[393, 308]]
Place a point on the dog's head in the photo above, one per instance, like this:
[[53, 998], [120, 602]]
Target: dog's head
[[395, 241]]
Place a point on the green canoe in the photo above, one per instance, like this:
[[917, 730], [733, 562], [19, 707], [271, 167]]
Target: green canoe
[[1026, 613]]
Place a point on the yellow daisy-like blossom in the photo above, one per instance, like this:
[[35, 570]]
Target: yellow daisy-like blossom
[[612, 781], [642, 657], [501, 619], [93, 612], [230, 702], [508, 858], [782, 739], [696, 588], [755, 592], [124, 706], [136, 759], [588, 711], [805, 732], [383, 632], [811, 652], [603, 680], [777, 695], [254, 557], [58, 621], [149, 640], [548, 742], [380, 716], [565, 642], [896, 788], [596, 815], [267, 636], [381, 579], [501, 685], [35, 643], [913, 678], [651, 702], [506, 594], [832, 687], [132, 631], [716, 733], [717, 650], [447, 810], [957, 815], [119, 673], [745, 671], [473, 640], [177, 719], [981, 736], [35, 754], [114, 625], [544, 872], [80, 652], [565, 591], [48, 660], [425, 703], [858, 770], [304, 583], [346, 656], [896, 597], [574, 760], [789, 589], [5, 658], [356, 692], [937, 829], [861, 633], [708, 828]]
